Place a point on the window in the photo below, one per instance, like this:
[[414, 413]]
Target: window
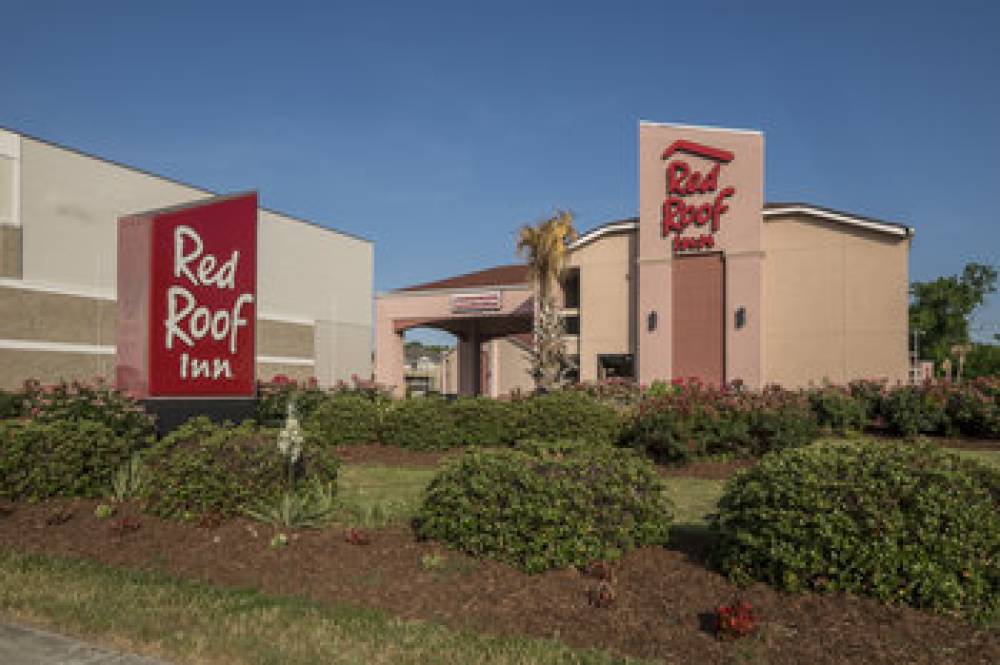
[[572, 325], [571, 289], [573, 374], [615, 366]]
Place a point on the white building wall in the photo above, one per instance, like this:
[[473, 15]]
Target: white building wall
[[69, 207]]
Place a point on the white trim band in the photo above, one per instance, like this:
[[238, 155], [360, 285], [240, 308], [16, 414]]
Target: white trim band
[[109, 350], [836, 217], [56, 347], [80, 292], [601, 231], [286, 360]]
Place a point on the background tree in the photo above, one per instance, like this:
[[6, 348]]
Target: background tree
[[544, 248], [941, 308]]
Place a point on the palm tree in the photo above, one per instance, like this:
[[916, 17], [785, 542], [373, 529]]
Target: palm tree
[[545, 248]]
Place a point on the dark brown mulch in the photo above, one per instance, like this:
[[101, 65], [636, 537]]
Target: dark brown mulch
[[661, 600]]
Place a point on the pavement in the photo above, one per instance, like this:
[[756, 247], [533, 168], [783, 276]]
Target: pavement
[[20, 645]]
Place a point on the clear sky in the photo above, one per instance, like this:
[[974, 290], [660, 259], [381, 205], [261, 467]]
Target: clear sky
[[436, 129]]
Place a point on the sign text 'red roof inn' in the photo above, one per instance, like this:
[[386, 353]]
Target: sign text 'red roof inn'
[[187, 288], [686, 204]]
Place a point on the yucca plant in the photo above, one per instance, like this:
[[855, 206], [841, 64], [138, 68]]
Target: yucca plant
[[299, 508], [127, 479], [307, 507]]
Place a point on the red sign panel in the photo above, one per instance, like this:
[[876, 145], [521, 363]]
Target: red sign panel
[[686, 204], [199, 312]]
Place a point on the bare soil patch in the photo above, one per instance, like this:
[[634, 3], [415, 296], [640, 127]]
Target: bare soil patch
[[662, 607]]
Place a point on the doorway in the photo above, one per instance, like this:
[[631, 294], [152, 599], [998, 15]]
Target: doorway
[[699, 341]]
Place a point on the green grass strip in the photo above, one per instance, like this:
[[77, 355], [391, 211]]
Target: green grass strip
[[187, 621]]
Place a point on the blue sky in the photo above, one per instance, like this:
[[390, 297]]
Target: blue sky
[[436, 129]]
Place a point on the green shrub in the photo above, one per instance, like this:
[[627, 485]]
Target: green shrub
[[10, 404], [273, 397], [780, 419], [912, 410], [420, 423], [838, 410], [343, 418], [563, 505], [570, 415], [482, 421], [903, 523], [203, 468], [691, 420], [96, 402], [973, 410], [40, 459], [869, 392]]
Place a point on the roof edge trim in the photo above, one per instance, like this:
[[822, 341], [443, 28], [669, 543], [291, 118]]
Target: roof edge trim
[[842, 218]]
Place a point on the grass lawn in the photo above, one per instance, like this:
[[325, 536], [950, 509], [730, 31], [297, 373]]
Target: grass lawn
[[374, 496], [378, 495], [988, 457], [694, 499], [189, 622]]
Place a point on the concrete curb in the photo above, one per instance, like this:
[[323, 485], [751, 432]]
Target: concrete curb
[[20, 645]]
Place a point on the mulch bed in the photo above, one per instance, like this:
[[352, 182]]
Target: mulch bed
[[663, 598]]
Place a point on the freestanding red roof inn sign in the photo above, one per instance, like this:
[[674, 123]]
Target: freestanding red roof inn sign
[[187, 291]]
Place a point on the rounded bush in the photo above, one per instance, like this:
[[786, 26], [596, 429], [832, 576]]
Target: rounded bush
[[568, 415], [421, 423], [40, 459], [10, 405], [203, 468], [482, 421], [838, 410], [912, 410], [552, 507], [869, 392], [97, 402], [341, 419], [691, 420], [974, 408], [903, 523]]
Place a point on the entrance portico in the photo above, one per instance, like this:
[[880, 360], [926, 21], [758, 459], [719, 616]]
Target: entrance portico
[[476, 308]]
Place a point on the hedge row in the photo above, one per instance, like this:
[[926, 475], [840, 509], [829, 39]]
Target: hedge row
[[433, 423]]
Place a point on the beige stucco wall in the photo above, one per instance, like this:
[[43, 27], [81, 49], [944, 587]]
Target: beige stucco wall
[[607, 298], [10, 252], [511, 367], [835, 298], [68, 204], [53, 336]]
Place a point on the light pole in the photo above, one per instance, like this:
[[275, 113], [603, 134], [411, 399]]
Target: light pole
[[916, 356]]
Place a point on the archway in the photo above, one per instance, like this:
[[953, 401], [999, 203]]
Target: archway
[[476, 308]]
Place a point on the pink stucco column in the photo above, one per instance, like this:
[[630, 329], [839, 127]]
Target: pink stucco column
[[390, 357], [469, 362], [738, 238]]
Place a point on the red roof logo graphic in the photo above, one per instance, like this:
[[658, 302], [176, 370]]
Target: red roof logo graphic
[[698, 149]]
